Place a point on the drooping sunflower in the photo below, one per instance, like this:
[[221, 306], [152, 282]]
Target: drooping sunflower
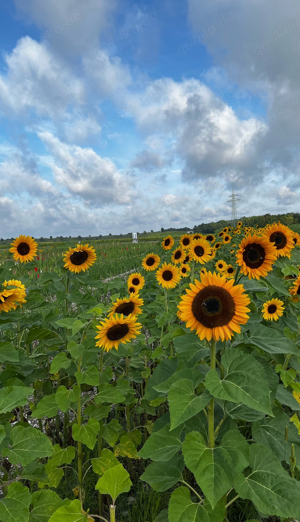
[[217, 245], [168, 275], [185, 240], [200, 250], [295, 290], [229, 271], [24, 248], [210, 237], [136, 280], [12, 294], [227, 238], [178, 255], [167, 243], [221, 265], [116, 330], [282, 236], [151, 262], [128, 305], [256, 256], [273, 309], [214, 307], [185, 270], [80, 258]]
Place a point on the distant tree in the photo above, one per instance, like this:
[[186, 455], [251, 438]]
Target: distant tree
[[50, 237], [151, 231], [109, 234], [162, 229]]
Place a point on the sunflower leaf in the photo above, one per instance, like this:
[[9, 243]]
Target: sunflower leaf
[[183, 402]]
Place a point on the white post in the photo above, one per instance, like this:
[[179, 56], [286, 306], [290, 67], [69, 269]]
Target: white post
[[134, 237]]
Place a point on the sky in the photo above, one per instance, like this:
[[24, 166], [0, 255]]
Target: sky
[[122, 116]]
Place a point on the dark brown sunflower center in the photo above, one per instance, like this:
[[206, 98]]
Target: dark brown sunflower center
[[210, 238], [295, 240], [187, 259], [23, 249], [254, 255], [221, 234], [131, 290], [197, 237], [78, 258], [178, 254], [167, 242], [272, 309], [279, 238], [199, 251], [220, 265], [167, 275], [117, 332], [186, 241], [213, 306], [230, 270], [135, 281], [125, 308], [226, 238], [298, 291], [150, 261], [217, 245], [183, 270]]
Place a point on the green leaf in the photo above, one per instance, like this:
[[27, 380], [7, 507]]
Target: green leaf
[[108, 393], [110, 432], [269, 486], [87, 433], [44, 503], [187, 373], [27, 444], [163, 371], [35, 472], [189, 350], [115, 481], [61, 456], [126, 447], [183, 402], [60, 361], [278, 285], [162, 517], [15, 506], [215, 468], [71, 324], [244, 382], [69, 513], [13, 396], [76, 350], [182, 509], [8, 352], [286, 397], [65, 397], [272, 341], [162, 445], [89, 376], [105, 462], [164, 475], [46, 407]]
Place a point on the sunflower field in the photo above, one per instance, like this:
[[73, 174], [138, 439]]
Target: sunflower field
[[168, 394]]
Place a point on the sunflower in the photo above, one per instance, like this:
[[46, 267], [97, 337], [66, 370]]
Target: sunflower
[[272, 310], [282, 236], [185, 240], [296, 239], [116, 330], [151, 262], [225, 230], [12, 294], [210, 237], [227, 238], [295, 290], [229, 271], [296, 396], [217, 245], [187, 258], [232, 251], [197, 236], [256, 256], [212, 254], [221, 234], [200, 250], [133, 290], [203, 271], [214, 307], [24, 248], [128, 305], [168, 275], [167, 243], [221, 265], [178, 255], [185, 270], [80, 258], [136, 280], [239, 224]]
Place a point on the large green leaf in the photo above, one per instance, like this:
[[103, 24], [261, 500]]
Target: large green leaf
[[86, 433], [183, 402], [163, 371], [35, 471], [65, 397], [13, 396], [194, 374], [189, 350], [61, 455], [70, 512], [108, 393], [103, 463], [116, 480], [60, 361], [89, 376], [15, 506], [27, 444], [110, 432], [269, 486], [244, 381], [164, 475], [46, 407], [215, 468], [272, 341], [44, 504], [162, 445], [278, 285], [8, 353], [182, 509], [286, 397]]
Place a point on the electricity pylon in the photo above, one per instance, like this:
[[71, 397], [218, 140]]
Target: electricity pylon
[[233, 199]]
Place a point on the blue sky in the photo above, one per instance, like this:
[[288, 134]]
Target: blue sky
[[118, 117]]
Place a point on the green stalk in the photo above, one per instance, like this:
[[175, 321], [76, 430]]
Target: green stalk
[[79, 447], [112, 512], [167, 310], [211, 420], [193, 271], [100, 442]]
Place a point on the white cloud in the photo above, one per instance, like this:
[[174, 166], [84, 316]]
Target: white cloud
[[106, 73]]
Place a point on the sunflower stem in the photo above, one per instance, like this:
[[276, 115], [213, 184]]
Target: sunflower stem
[[79, 447], [211, 419], [112, 512], [193, 271], [237, 274], [286, 362], [100, 441]]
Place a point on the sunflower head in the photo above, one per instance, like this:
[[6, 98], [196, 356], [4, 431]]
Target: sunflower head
[[185, 270], [221, 265], [229, 271], [217, 245], [203, 271], [282, 237], [210, 238], [214, 307], [239, 224], [273, 309], [151, 262], [24, 249], [197, 236], [12, 294], [295, 290], [136, 280], [133, 290], [227, 238], [221, 234], [79, 259], [200, 250], [256, 256], [187, 258], [128, 305], [185, 240], [168, 275], [178, 255], [167, 243], [116, 330]]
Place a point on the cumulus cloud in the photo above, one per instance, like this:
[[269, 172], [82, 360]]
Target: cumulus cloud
[[107, 74]]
